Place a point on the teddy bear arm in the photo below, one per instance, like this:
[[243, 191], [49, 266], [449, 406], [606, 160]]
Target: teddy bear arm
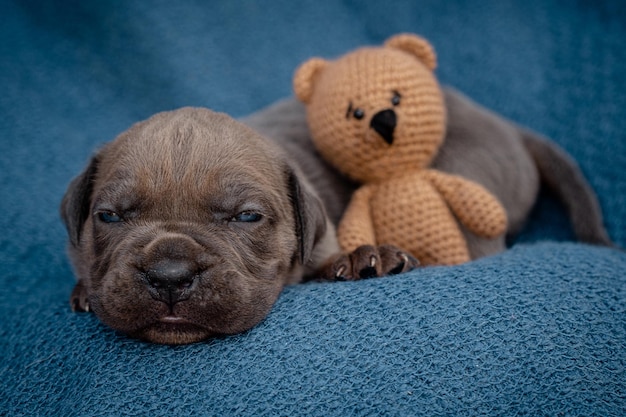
[[473, 205], [356, 227]]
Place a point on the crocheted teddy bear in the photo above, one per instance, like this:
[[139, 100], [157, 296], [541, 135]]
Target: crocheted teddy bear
[[377, 114]]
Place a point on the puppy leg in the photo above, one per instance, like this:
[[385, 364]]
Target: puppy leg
[[367, 262], [79, 300]]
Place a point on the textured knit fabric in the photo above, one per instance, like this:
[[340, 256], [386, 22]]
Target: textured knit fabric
[[538, 330], [391, 131]]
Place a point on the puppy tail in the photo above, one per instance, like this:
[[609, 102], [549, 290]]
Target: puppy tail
[[562, 175]]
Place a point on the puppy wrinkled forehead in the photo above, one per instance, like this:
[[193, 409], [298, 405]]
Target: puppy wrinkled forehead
[[188, 140], [189, 154]]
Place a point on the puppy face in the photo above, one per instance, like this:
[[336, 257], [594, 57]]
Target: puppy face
[[187, 226]]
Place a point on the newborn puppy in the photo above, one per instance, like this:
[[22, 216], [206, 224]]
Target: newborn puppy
[[189, 225]]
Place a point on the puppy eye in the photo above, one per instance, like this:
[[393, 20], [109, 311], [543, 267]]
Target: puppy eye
[[395, 100], [109, 217], [246, 217]]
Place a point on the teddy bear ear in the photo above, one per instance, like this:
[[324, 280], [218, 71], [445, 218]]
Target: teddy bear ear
[[414, 45], [305, 77]]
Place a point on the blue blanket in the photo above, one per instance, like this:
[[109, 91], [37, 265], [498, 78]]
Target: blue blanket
[[537, 330]]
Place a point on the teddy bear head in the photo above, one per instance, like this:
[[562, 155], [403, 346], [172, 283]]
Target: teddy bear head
[[377, 112]]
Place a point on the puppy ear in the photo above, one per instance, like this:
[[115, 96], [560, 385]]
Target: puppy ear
[[305, 77], [309, 215], [415, 45], [76, 202]]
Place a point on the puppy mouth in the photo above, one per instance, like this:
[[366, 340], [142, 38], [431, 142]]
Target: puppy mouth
[[174, 330], [176, 324], [175, 320]]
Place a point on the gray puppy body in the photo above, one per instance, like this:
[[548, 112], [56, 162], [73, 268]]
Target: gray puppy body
[[508, 160], [189, 224]]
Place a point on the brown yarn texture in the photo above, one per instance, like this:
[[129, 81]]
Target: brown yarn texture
[[401, 201]]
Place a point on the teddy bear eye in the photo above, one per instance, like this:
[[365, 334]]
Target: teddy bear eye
[[357, 113], [395, 100]]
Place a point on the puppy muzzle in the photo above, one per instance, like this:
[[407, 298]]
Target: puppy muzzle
[[171, 268], [172, 280]]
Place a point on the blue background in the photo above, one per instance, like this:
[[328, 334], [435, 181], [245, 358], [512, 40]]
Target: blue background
[[538, 330]]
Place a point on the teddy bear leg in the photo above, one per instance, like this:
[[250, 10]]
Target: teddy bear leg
[[367, 261], [445, 246]]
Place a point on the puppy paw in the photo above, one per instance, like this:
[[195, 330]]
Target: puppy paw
[[368, 262], [79, 300]]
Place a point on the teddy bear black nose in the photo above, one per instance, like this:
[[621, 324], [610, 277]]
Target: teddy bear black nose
[[384, 122]]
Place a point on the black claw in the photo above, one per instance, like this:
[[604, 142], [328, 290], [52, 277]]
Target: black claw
[[398, 269], [368, 272]]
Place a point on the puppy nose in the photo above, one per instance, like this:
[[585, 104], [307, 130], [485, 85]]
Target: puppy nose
[[384, 122], [171, 280]]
